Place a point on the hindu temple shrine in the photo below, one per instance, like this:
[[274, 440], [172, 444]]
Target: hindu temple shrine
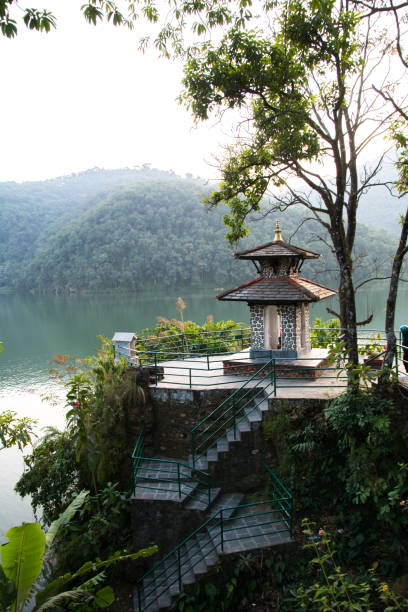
[[278, 299]]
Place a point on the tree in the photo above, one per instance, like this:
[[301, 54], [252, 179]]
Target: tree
[[14, 431], [306, 89], [398, 14], [43, 20]]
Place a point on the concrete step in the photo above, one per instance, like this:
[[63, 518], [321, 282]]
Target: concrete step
[[263, 405], [245, 531], [227, 502], [253, 414], [222, 445], [200, 499], [160, 469], [196, 559], [206, 546], [165, 490]]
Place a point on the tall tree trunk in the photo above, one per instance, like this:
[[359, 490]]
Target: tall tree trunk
[[348, 315], [392, 295]]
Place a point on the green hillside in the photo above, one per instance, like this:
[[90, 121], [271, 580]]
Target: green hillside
[[129, 229]]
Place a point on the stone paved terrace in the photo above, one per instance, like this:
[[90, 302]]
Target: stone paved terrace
[[403, 380], [208, 373]]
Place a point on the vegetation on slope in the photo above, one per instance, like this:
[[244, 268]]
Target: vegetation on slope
[[154, 231]]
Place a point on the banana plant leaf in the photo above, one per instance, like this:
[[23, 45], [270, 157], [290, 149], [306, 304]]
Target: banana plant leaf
[[22, 559], [65, 517]]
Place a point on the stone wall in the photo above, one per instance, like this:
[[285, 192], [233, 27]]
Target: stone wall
[[175, 413], [257, 326], [307, 326], [283, 268], [283, 370], [289, 327], [167, 523]]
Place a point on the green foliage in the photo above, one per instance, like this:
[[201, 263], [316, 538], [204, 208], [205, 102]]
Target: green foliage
[[324, 333], [331, 588], [34, 19], [103, 524], [15, 431], [96, 420], [350, 463], [170, 337], [372, 347], [361, 374], [21, 559], [60, 236], [52, 476], [227, 592], [271, 77], [93, 452]]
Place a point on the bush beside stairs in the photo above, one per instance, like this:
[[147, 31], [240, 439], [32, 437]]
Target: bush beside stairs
[[230, 525]]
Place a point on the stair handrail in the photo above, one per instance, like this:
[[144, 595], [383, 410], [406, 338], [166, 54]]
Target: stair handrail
[[138, 452], [138, 457], [213, 518], [272, 374], [232, 419]]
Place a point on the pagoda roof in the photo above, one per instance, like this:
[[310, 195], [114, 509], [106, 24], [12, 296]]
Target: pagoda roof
[[277, 248], [281, 290]]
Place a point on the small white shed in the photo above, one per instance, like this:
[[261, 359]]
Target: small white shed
[[125, 346]]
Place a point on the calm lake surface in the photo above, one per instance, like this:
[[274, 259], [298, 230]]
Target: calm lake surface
[[32, 328]]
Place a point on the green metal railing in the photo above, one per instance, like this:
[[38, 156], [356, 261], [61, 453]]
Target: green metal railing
[[227, 416], [220, 529], [138, 454], [195, 343], [282, 496], [399, 356], [204, 371], [175, 477]]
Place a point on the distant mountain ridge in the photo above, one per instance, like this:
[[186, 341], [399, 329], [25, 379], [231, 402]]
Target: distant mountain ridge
[[125, 229]]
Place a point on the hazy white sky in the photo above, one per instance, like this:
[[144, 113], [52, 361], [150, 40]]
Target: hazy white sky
[[85, 96]]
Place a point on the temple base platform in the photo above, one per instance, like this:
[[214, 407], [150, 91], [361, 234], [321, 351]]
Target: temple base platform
[[310, 365]]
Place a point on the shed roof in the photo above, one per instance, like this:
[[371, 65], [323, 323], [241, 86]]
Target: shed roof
[[123, 337], [282, 290], [277, 248]]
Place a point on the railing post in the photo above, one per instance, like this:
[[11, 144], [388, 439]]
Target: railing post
[[155, 367], [396, 362], [274, 377], [208, 362], [222, 531], [291, 517], [178, 480], [192, 449], [139, 598], [234, 418], [189, 375], [179, 569]]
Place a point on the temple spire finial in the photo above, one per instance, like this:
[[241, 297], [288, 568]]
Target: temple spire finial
[[278, 234]]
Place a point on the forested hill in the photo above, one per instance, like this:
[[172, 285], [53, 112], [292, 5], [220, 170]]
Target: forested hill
[[135, 228]]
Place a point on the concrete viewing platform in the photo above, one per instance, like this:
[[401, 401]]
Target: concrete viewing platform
[[320, 381], [403, 380]]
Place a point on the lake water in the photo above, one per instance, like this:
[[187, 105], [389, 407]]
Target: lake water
[[32, 328]]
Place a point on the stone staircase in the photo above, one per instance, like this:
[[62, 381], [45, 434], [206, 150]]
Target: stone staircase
[[230, 528], [244, 424], [245, 529]]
